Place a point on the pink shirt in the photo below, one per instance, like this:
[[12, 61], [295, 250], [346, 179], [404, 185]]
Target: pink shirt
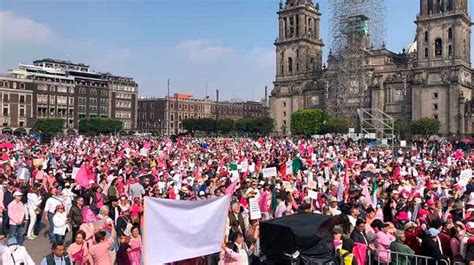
[[16, 212], [1, 199], [74, 248], [100, 252]]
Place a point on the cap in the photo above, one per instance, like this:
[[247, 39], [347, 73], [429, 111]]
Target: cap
[[12, 241], [432, 232], [409, 225], [17, 193]]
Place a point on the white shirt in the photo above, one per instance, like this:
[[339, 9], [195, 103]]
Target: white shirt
[[33, 200], [13, 255], [60, 225], [51, 204]]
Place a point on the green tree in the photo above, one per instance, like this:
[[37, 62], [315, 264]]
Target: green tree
[[425, 126], [51, 125], [308, 122], [225, 125], [96, 126], [336, 126], [190, 125]]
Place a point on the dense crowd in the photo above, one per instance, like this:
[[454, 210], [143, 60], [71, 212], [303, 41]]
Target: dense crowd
[[415, 200]]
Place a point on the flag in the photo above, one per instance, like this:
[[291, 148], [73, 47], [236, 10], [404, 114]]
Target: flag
[[259, 144], [262, 202], [296, 165], [82, 178], [233, 166], [173, 233], [286, 168], [375, 186]]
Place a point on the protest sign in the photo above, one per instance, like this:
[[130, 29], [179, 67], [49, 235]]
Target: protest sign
[[255, 212], [269, 172], [465, 176], [312, 194]]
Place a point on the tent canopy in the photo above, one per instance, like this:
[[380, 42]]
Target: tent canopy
[[309, 234]]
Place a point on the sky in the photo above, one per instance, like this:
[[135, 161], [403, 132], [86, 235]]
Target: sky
[[226, 44]]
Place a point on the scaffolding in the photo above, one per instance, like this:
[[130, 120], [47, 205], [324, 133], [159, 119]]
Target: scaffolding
[[376, 124], [357, 27]]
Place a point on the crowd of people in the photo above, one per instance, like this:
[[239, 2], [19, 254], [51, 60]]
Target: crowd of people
[[387, 204]]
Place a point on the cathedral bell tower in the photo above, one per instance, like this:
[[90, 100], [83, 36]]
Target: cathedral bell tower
[[444, 33], [298, 46], [443, 83], [299, 50]]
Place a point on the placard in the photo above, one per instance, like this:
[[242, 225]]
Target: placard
[[234, 176], [326, 173], [312, 184], [74, 172], [465, 176], [37, 162], [384, 141], [312, 194], [255, 212], [269, 172], [403, 143], [351, 130], [286, 185]]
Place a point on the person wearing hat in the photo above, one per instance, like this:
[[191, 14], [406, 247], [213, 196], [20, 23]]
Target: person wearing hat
[[60, 223], [16, 216], [431, 247], [412, 235], [333, 209], [15, 254]]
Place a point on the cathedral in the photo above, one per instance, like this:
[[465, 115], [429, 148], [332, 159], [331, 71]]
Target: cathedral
[[432, 77]]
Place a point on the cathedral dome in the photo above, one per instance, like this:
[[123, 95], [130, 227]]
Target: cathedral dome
[[412, 48]]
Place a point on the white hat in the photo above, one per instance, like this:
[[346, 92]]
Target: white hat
[[17, 193]]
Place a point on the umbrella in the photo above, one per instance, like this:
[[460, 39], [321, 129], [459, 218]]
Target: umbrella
[[7, 145]]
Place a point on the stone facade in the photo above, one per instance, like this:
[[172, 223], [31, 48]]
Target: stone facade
[[16, 103], [165, 115], [432, 77], [71, 91]]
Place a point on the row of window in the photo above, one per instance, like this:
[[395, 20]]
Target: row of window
[[6, 98], [93, 91], [59, 89], [14, 85], [6, 110]]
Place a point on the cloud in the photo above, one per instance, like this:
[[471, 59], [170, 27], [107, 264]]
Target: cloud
[[202, 50], [23, 30]]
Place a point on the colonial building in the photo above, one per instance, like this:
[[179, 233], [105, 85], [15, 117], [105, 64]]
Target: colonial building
[[431, 78], [16, 104], [73, 91], [165, 115]]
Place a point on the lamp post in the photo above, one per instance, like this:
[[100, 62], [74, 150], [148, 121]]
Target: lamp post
[[168, 109], [159, 127]]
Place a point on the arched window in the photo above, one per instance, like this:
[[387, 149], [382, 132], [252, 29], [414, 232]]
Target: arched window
[[450, 33], [426, 52], [438, 47], [290, 64], [426, 35]]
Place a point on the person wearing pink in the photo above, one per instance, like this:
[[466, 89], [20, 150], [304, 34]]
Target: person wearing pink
[[229, 254], [100, 251], [136, 246], [79, 251], [16, 215], [384, 239]]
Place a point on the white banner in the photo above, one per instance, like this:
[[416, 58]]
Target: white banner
[[269, 172], [254, 209], [173, 233], [465, 176], [312, 194]]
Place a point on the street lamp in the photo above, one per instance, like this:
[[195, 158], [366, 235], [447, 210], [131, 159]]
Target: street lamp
[[159, 126]]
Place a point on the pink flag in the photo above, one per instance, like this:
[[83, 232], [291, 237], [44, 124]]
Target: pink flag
[[82, 178], [262, 202], [360, 252], [458, 154], [231, 188]]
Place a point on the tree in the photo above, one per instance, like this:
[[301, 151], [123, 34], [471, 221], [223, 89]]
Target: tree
[[50, 125], [225, 125], [425, 126], [190, 125], [336, 126], [260, 125], [96, 126], [308, 122]]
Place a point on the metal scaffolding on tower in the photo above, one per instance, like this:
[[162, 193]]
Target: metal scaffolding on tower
[[357, 28]]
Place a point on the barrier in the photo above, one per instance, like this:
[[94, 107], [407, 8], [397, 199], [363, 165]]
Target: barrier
[[373, 258]]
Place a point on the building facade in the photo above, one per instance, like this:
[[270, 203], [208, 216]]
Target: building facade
[[165, 115], [72, 91], [16, 104], [432, 77]]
